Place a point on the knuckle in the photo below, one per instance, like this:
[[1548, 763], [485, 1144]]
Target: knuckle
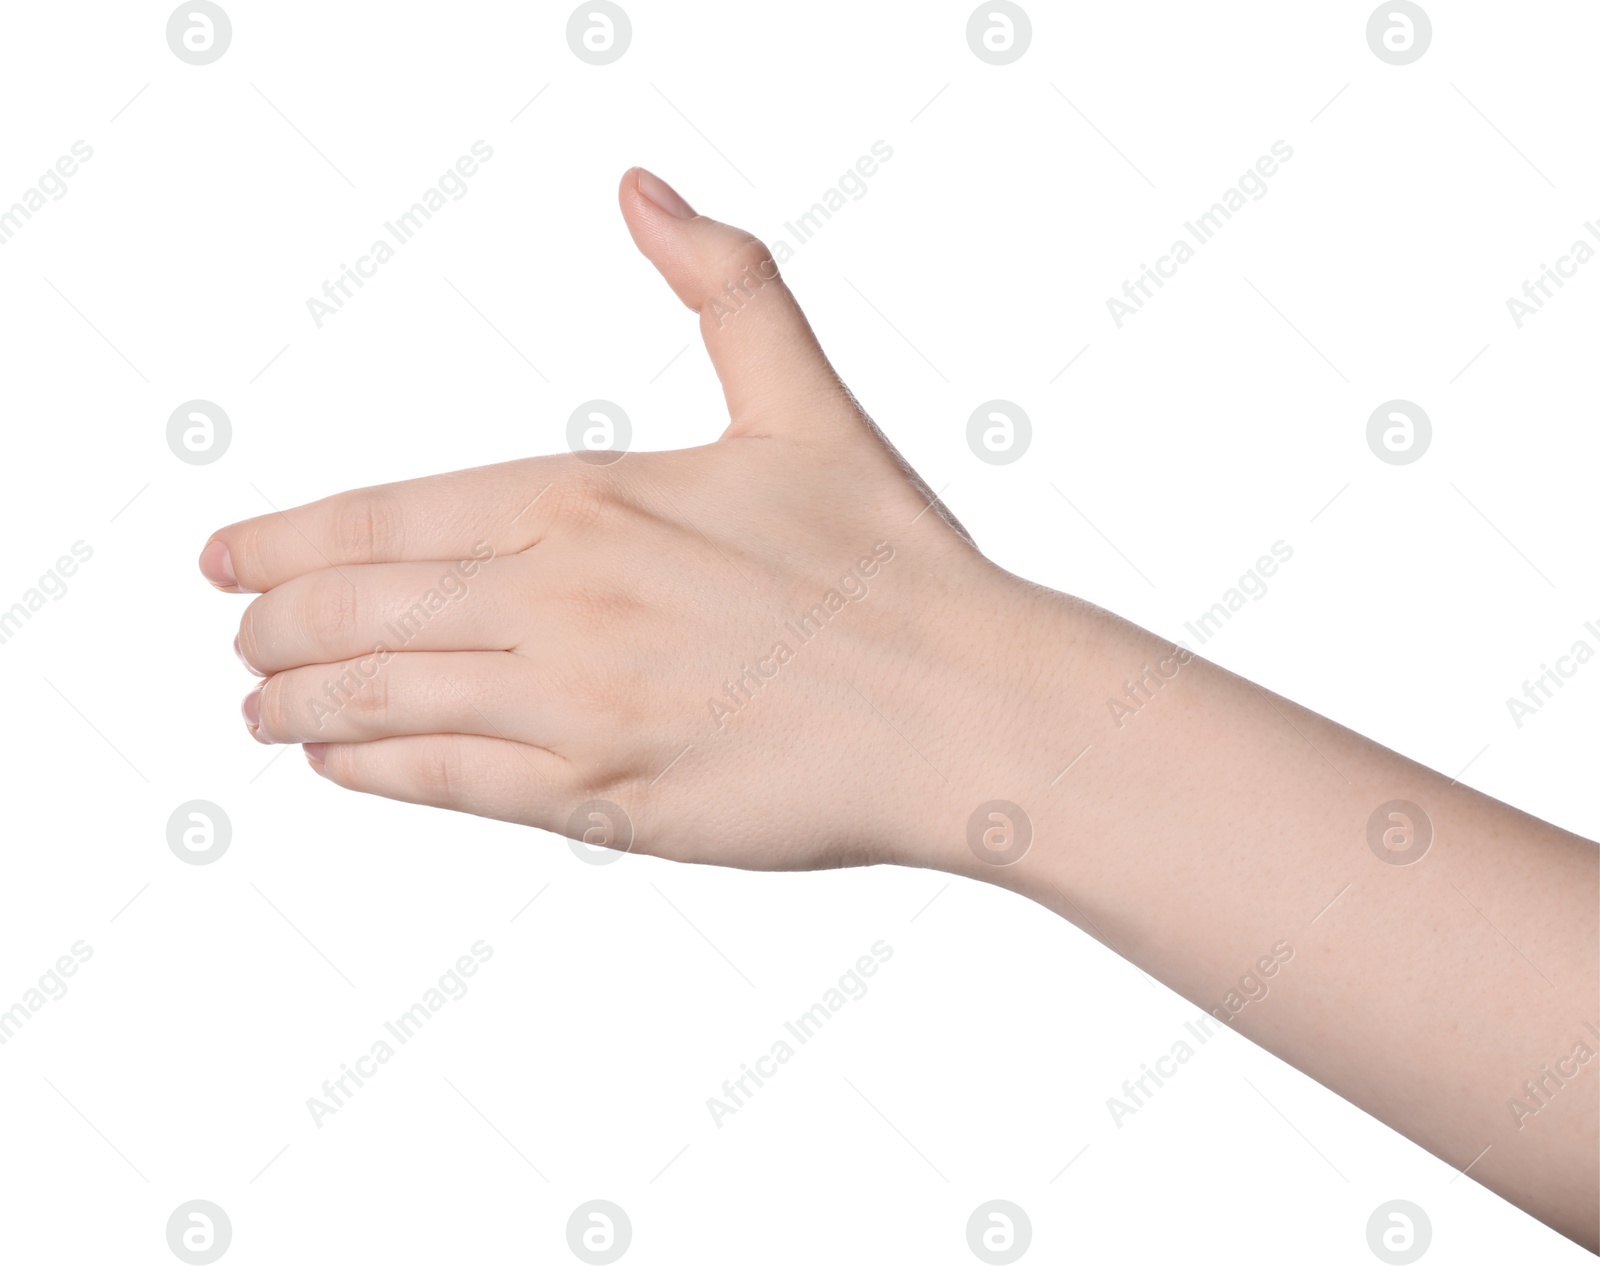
[[341, 763], [276, 707], [443, 772], [369, 695], [250, 648], [601, 687], [581, 495], [367, 527], [750, 265], [247, 551], [331, 613]]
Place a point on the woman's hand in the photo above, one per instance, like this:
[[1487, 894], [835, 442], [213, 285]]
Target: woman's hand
[[779, 651], [764, 652]]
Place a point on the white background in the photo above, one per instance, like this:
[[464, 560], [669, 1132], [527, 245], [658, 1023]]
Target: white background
[[979, 1064]]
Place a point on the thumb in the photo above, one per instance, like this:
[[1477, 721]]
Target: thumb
[[772, 369]]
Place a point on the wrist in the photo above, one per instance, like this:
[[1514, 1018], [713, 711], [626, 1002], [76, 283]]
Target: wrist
[[1004, 745]]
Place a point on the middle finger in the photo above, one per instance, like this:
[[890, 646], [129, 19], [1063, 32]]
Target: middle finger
[[328, 616]]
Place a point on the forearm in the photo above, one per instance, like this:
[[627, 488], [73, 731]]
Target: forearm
[[780, 651], [1213, 833]]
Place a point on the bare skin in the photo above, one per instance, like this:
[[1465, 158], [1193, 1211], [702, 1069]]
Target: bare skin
[[519, 640]]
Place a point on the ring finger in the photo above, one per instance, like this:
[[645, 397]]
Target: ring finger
[[352, 611], [383, 694]]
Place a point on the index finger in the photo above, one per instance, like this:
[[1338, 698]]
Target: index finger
[[441, 517]]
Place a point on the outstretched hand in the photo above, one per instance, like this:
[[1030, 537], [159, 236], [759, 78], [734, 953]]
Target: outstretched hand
[[747, 648]]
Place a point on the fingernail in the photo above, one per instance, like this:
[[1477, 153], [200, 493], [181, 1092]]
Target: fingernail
[[216, 566], [242, 659], [316, 753], [664, 195], [252, 707]]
